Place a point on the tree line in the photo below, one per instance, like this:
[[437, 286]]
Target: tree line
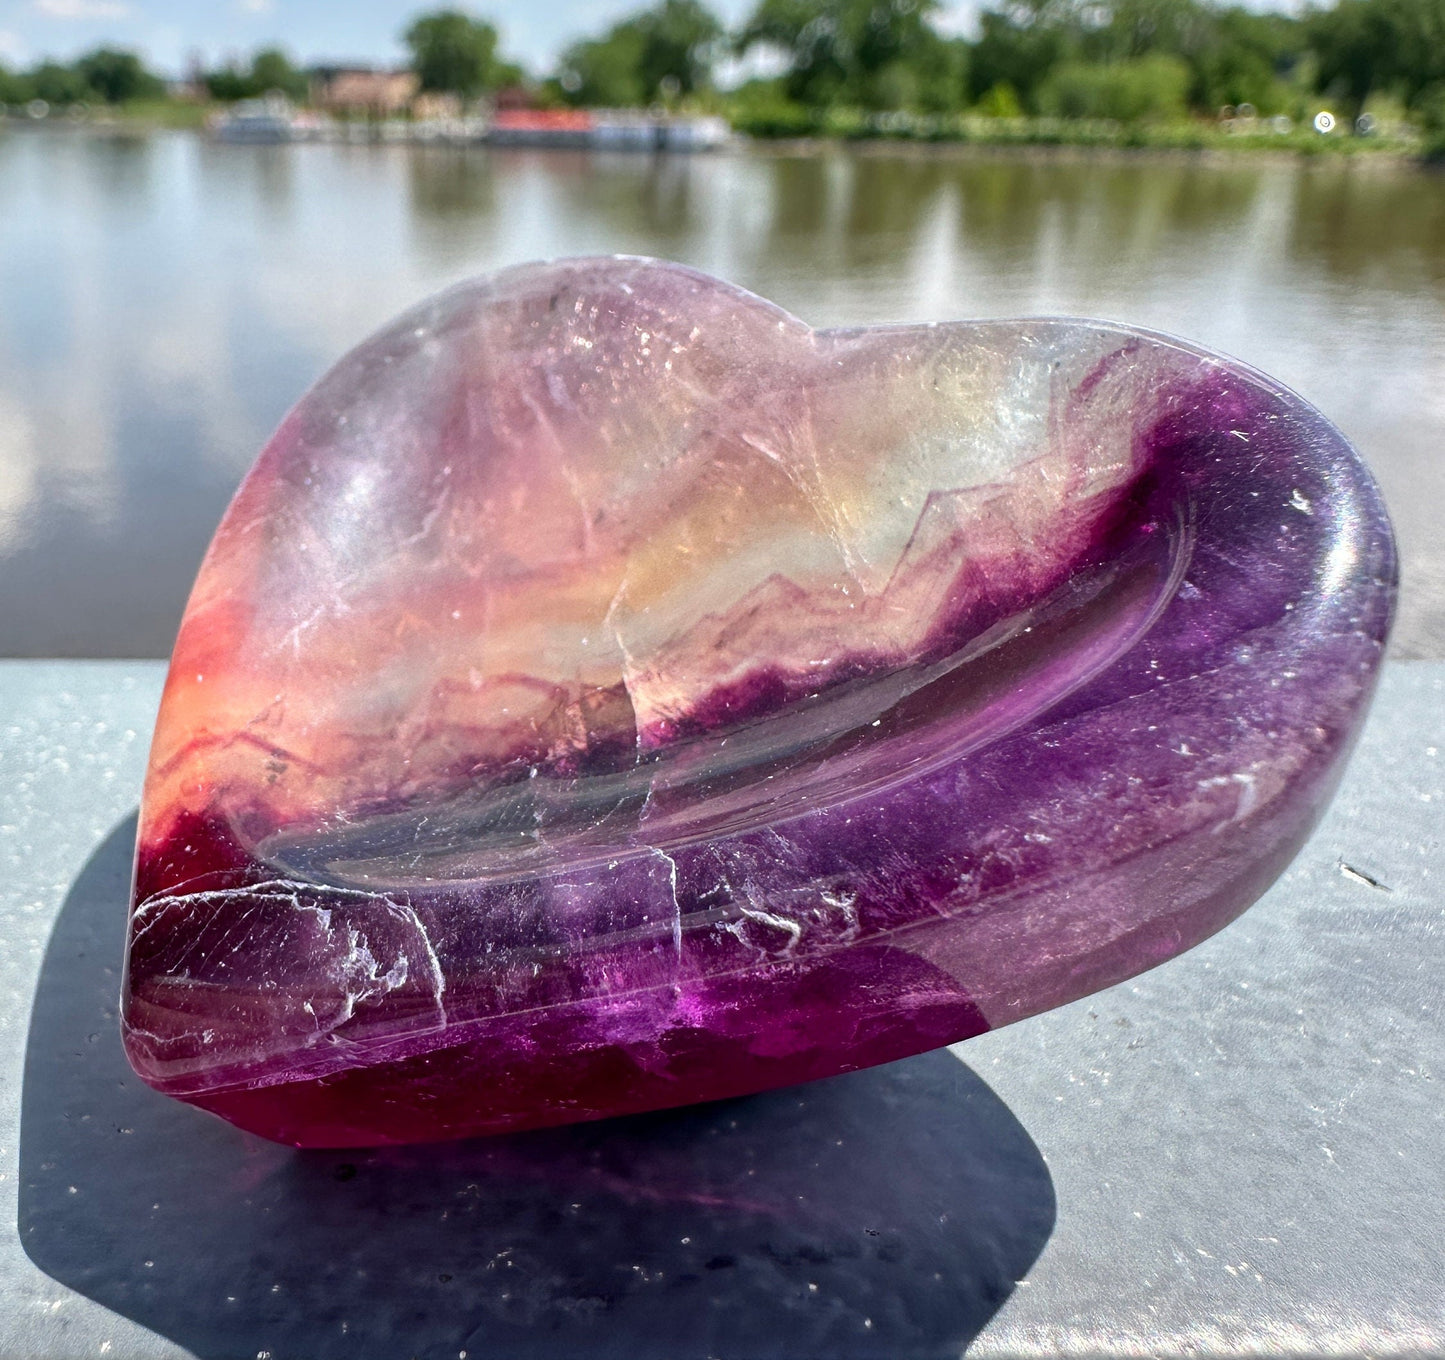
[[793, 62]]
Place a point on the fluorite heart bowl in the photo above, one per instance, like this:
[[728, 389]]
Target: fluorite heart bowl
[[606, 693]]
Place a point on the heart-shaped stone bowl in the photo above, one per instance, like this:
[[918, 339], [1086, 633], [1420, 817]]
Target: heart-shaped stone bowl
[[607, 693]]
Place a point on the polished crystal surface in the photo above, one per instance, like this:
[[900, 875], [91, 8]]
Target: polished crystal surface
[[606, 693]]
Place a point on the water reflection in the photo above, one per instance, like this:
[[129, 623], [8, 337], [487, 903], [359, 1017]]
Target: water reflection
[[123, 169], [163, 300], [640, 202], [1114, 216], [1370, 229], [449, 184]]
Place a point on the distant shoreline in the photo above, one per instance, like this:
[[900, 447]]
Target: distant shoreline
[[1187, 144]]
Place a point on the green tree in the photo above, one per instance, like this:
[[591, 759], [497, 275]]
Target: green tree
[[1016, 50], [228, 83], [1354, 49], [1249, 57], [1363, 46], [271, 69], [118, 77], [1234, 55], [605, 72], [14, 87], [454, 53], [1231, 54], [1137, 90], [58, 84], [1141, 28], [811, 35], [1000, 101], [1420, 25], [659, 53], [1432, 121], [680, 46], [869, 53]]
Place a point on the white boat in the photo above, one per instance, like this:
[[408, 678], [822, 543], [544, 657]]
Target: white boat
[[267, 121]]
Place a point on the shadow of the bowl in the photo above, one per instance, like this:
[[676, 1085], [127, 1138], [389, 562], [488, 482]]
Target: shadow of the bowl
[[886, 1213]]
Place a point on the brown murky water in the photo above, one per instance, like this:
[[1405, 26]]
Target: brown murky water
[[163, 301]]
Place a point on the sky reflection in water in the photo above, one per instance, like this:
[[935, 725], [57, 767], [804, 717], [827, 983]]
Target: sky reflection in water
[[164, 300]]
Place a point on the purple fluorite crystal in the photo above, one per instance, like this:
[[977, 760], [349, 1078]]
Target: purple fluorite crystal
[[606, 693]]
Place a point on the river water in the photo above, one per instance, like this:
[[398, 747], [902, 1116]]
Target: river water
[[163, 300]]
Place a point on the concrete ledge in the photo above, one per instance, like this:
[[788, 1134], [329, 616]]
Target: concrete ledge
[[1238, 1152]]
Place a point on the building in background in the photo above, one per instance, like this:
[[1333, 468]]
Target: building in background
[[434, 105], [363, 91]]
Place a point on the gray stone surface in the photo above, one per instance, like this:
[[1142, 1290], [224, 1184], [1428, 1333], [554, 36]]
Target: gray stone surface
[[1238, 1152]]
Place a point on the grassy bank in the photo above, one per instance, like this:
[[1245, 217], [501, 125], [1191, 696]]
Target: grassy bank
[[963, 129], [140, 115], [160, 113], [793, 127]]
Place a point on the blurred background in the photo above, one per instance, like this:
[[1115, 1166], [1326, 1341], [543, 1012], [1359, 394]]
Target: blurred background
[[202, 206]]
